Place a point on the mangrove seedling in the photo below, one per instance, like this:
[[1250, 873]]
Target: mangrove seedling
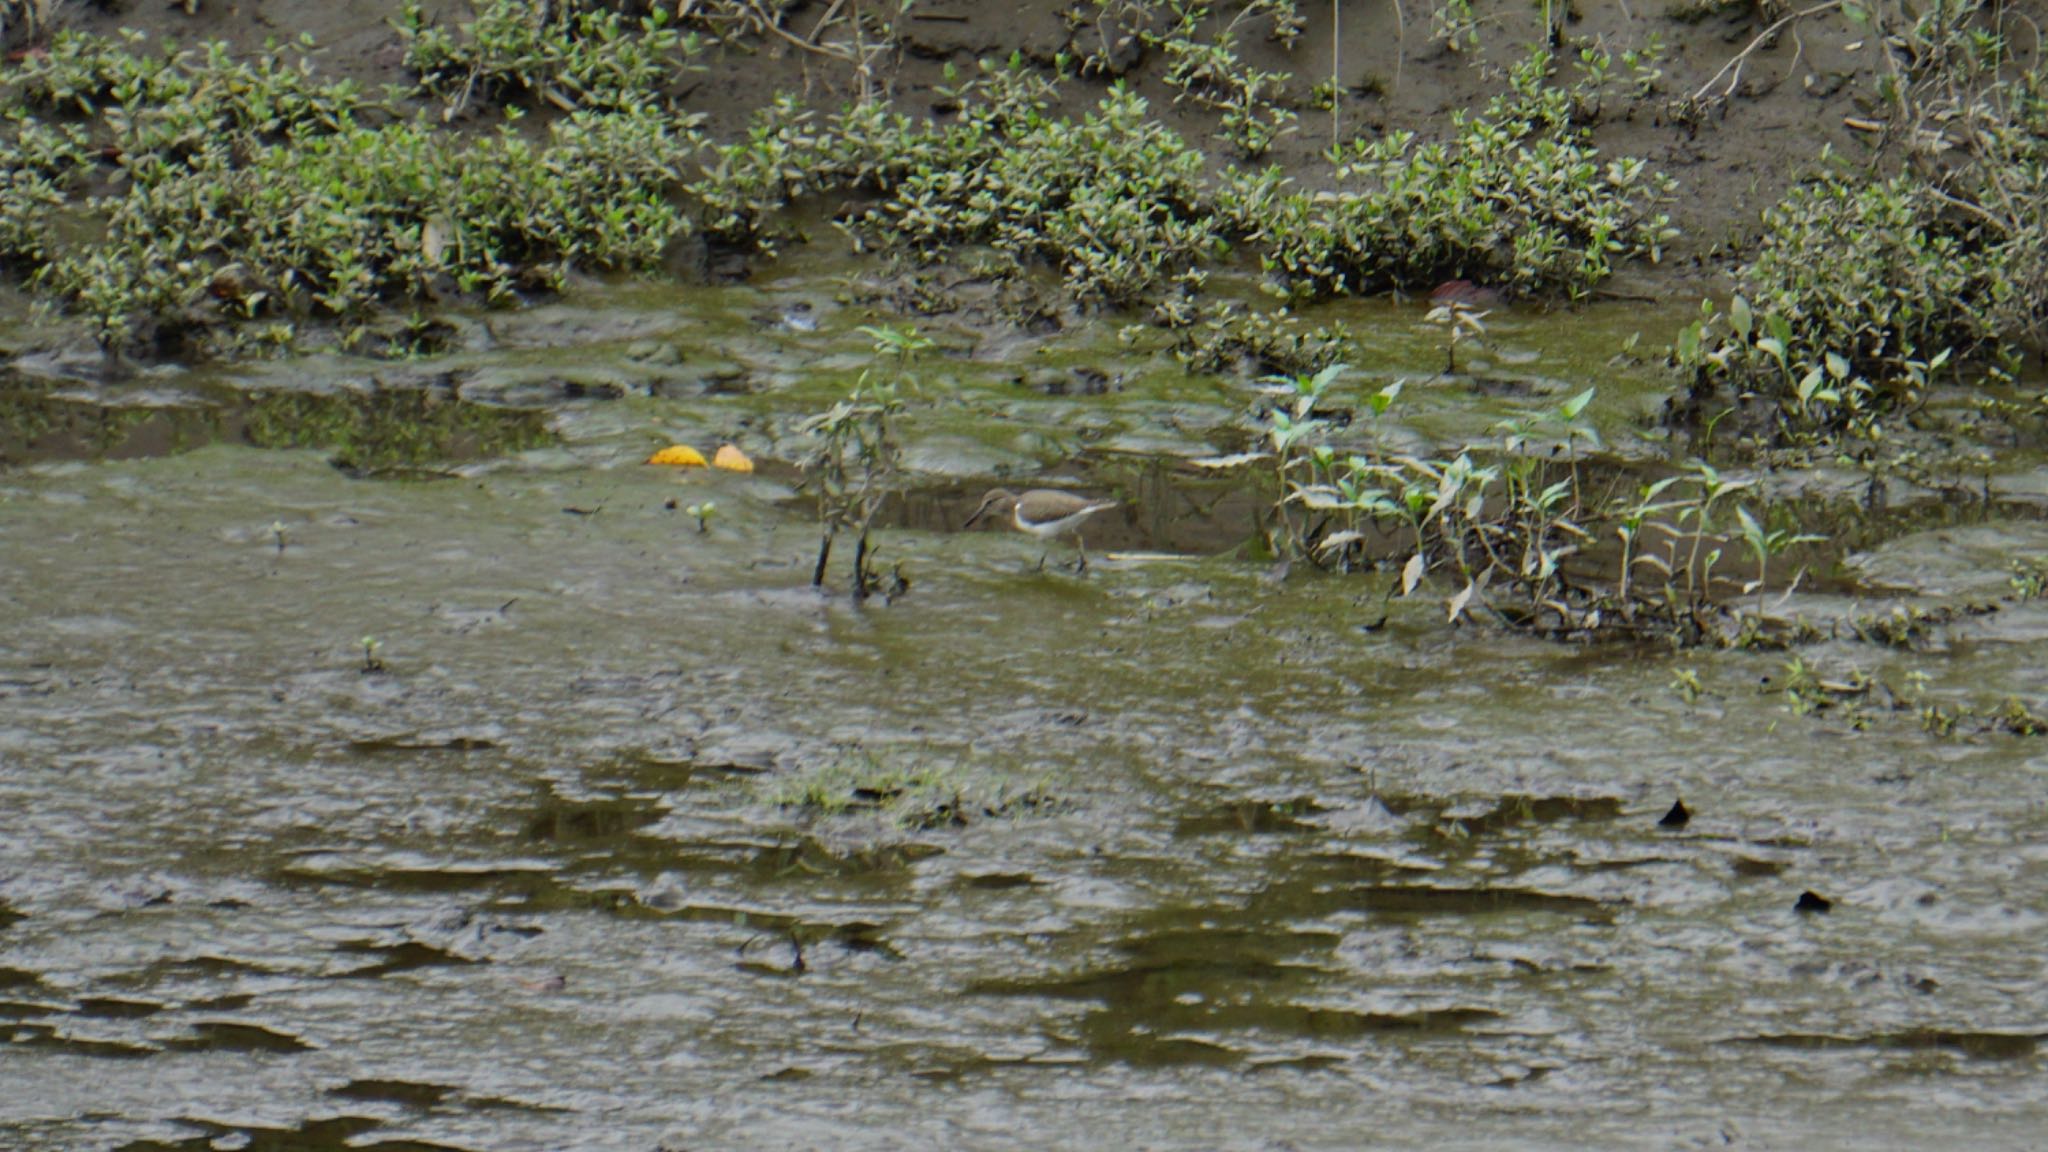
[[1294, 431], [1686, 682], [1764, 543], [703, 513], [1453, 25], [854, 467], [1460, 322], [372, 663], [1629, 521]]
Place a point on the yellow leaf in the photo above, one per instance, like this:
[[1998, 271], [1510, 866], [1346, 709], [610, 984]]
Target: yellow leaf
[[678, 456], [731, 459]]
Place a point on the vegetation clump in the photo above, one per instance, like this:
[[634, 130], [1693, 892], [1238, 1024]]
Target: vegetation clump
[[1864, 293], [857, 458], [1233, 337], [194, 189], [918, 795], [1123, 208], [1520, 525], [1517, 197], [239, 190], [567, 55]]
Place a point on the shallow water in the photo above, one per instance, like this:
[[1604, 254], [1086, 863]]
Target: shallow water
[[1211, 861]]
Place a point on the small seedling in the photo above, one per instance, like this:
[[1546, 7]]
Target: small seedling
[[2029, 579], [703, 513], [1686, 682], [858, 458], [1460, 322], [372, 663], [277, 533]]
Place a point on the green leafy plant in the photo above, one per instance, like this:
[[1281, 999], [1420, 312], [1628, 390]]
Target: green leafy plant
[[1863, 290], [2029, 579], [1293, 435], [1258, 341], [1514, 525], [567, 54], [1518, 197], [854, 467], [1686, 682], [1453, 25], [1765, 543]]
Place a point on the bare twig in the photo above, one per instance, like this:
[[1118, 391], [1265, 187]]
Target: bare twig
[[826, 20], [1400, 43], [1336, 68], [1763, 38], [1977, 210]]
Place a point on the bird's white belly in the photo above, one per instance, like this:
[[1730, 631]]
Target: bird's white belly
[[1046, 530]]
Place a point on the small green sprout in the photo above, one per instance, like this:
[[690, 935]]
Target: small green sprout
[[1686, 682]]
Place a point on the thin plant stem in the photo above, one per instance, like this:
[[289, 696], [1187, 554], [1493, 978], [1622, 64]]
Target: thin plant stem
[[1336, 69]]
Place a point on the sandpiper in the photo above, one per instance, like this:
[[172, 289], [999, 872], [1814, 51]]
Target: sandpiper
[[1045, 514]]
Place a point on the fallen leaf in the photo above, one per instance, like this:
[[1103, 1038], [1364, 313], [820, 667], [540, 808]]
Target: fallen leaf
[[1411, 573], [1458, 602], [731, 459], [1338, 541], [678, 456]]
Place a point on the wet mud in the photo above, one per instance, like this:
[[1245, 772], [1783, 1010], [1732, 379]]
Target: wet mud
[[400, 767]]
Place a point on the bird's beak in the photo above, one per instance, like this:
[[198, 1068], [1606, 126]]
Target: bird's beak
[[986, 504]]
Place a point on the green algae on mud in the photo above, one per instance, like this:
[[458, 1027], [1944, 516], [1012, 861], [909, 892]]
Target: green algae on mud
[[1356, 877]]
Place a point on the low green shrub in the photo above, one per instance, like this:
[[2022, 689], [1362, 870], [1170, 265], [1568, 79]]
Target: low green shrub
[[1517, 197], [1862, 292], [1122, 207], [194, 187], [235, 189], [174, 101], [1518, 526], [565, 54], [333, 224]]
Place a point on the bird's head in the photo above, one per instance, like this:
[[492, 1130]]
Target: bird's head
[[998, 501]]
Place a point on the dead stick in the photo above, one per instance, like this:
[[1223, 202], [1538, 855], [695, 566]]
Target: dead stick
[[1762, 38]]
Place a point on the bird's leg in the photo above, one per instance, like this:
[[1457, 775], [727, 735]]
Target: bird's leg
[[1080, 565], [1041, 561]]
